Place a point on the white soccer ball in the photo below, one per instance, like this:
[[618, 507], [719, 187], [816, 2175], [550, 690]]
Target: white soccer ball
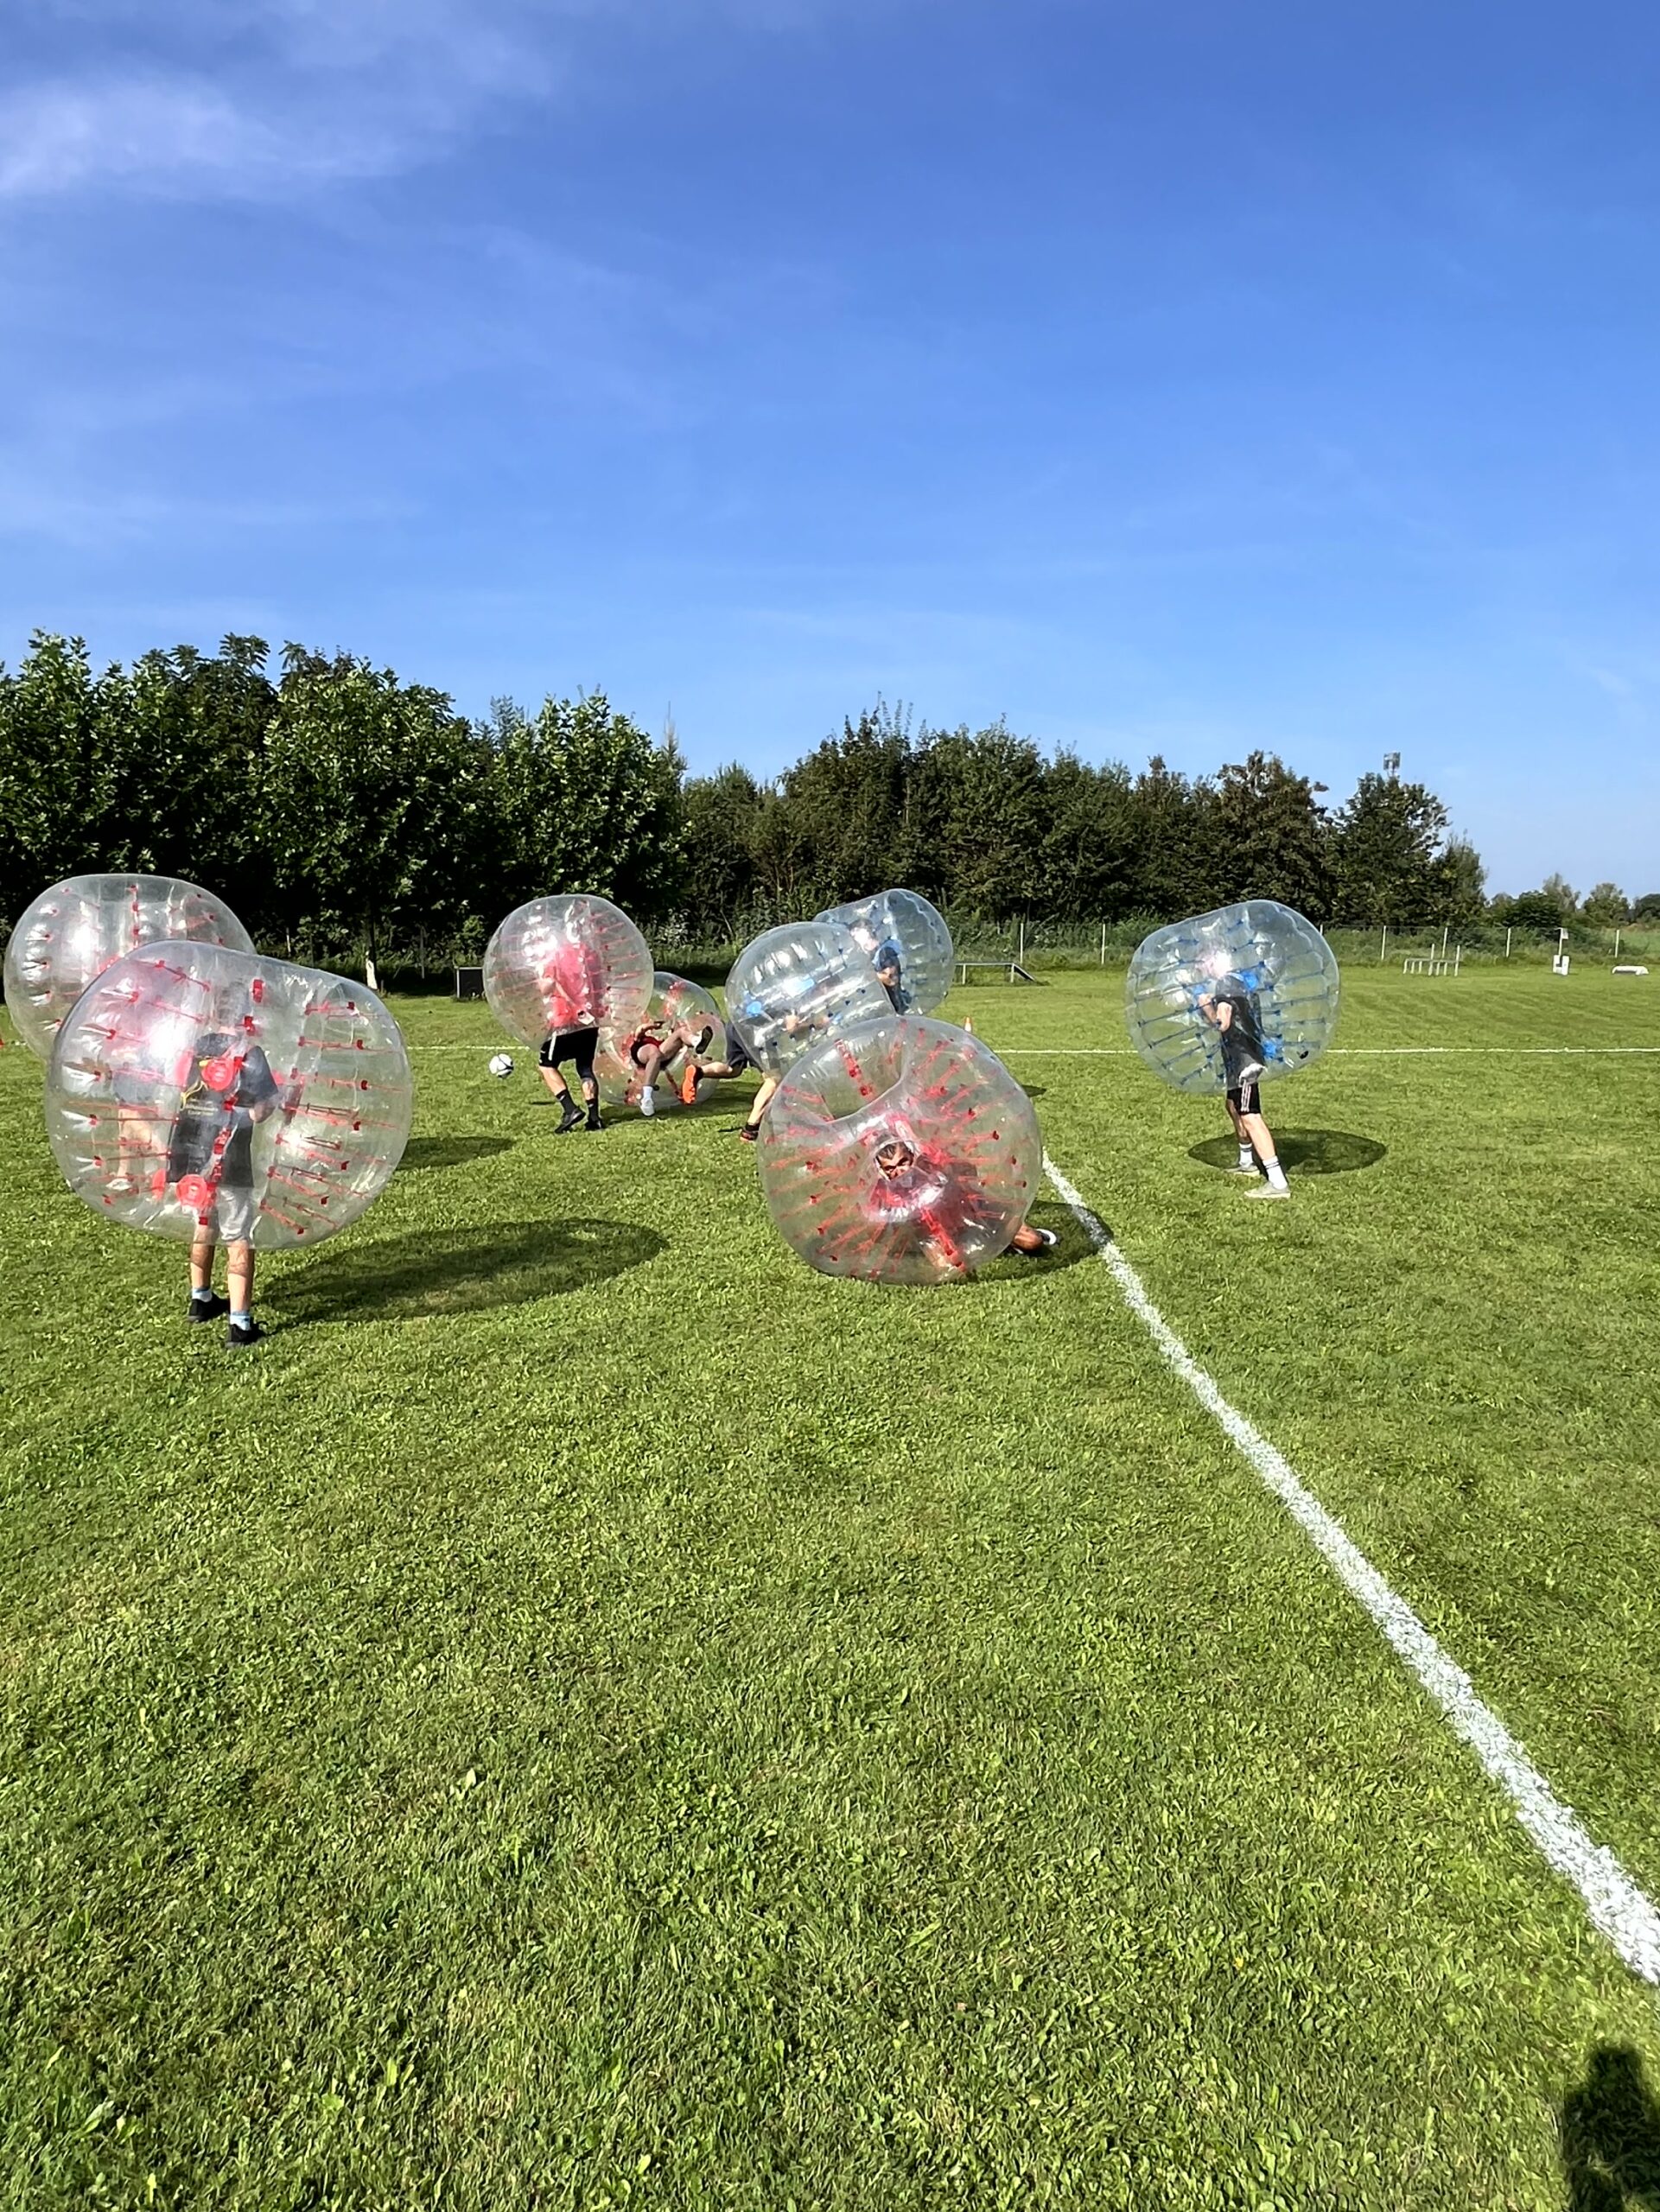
[[501, 1064]]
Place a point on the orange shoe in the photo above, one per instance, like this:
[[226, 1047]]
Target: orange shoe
[[689, 1086]]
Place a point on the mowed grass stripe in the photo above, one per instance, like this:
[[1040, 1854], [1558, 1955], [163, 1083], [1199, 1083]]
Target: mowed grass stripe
[[638, 1723]]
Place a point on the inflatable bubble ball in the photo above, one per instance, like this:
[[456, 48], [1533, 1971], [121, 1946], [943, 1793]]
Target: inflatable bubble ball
[[680, 1018], [908, 944], [194, 1088], [558, 964], [1270, 966], [74, 930], [793, 985], [901, 1151]]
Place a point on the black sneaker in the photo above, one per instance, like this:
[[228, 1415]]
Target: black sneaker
[[207, 1309], [594, 1121], [750, 1132], [569, 1119], [241, 1334]]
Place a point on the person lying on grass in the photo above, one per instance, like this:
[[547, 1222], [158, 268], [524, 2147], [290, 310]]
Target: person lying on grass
[[949, 1212], [655, 1047], [1231, 1009]]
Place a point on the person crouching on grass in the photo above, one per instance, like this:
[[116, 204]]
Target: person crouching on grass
[[1230, 1009]]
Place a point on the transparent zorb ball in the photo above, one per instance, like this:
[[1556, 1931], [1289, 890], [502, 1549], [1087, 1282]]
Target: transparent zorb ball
[[901, 1151], [194, 1088], [73, 931], [1268, 960], [572, 963], [908, 944], [681, 1018], [794, 985]]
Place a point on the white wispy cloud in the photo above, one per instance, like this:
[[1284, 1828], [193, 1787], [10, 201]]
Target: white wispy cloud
[[205, 100]]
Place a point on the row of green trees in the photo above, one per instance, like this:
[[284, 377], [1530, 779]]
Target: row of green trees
[[986, 825], [333, 805]]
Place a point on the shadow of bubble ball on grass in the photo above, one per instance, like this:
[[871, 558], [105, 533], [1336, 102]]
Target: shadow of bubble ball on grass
[[421, 1153], [1302, 1152], [433, 1272]]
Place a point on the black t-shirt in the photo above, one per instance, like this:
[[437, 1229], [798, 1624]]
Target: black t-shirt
[[226, 1079], [1242, 1053]]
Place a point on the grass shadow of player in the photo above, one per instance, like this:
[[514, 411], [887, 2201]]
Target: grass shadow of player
[[443, 1271], [421, 1153], [1302, 1152], [1611, 2136]]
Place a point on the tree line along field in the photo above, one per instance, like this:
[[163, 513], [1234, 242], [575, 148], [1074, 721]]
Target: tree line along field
[[341, 810], [596, 1714]]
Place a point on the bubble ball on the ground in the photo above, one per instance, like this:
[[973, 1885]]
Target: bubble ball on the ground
[[901, 1151], [794, 985], [73, 931], [682, 1018], [193, 1087], [571, 963], [908, 943], [1268, 961]]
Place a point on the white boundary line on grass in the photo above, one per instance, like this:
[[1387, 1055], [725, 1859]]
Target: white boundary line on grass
[[1616, 1905]]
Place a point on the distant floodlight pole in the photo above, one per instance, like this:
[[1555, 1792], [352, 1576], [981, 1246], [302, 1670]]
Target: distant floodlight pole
[[1382, 949], [1104, 945], [1507, 945], [1391, 763]]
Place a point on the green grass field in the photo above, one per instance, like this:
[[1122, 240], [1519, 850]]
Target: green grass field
[[593, 1714]]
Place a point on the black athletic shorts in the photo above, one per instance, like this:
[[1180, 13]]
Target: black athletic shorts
[[577, 1045], [737, 1057], [1245, 1098]]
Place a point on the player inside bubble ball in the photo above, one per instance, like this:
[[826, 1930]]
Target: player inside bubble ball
[[890, 974], [225, 1087], [1228, 1001], [656, 1046], [914, 1184]]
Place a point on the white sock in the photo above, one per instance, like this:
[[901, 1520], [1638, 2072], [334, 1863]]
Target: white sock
[[1276, 1175], [1247, 1157]]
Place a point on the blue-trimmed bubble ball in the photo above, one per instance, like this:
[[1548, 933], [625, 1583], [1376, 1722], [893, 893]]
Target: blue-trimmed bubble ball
[[908, 943], [1268, 960], [794, 985]]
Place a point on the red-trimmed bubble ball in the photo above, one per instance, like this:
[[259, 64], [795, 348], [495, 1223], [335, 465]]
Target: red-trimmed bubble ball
[[73, 932], [901, 1151], [560, 964], [681, 1023], [197, 1088]]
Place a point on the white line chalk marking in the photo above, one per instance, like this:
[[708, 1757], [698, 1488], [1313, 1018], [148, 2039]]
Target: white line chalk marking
[[1616, 1905]]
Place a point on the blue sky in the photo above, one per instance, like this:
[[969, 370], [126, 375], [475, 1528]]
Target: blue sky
[[1177, 377]]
